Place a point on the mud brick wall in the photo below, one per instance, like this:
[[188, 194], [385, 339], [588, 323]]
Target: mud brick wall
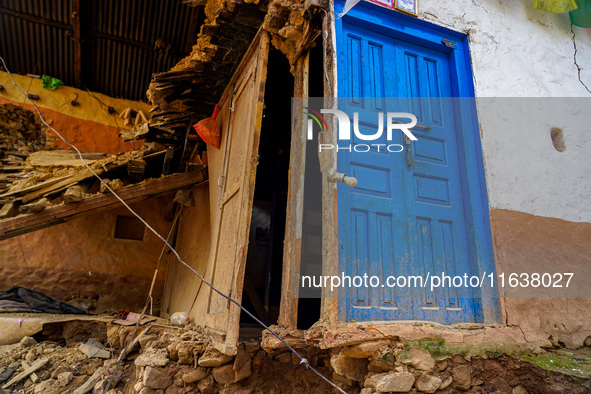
[[81, 260]]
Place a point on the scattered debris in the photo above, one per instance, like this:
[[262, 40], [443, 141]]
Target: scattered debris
[[28, 341], [33, 376], [39, 179], [9, 371], [94, 349], [92, 381], [9, 210], [191, 89], [34, 207], [75, 193], [22, 134], [28, 371], [132, 318], [171, 359], [65, 378], [294, 26]]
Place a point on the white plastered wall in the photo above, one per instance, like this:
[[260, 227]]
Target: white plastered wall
[[518, 51]]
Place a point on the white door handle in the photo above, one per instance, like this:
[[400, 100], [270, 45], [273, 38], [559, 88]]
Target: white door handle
[[334, 176]]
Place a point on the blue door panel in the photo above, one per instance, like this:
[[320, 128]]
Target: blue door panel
[[407, 214]]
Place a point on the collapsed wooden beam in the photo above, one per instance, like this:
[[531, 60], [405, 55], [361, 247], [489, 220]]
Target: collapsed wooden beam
[[24, 224]]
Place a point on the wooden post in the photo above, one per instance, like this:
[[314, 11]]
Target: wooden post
[[288, 313], [330, 225]]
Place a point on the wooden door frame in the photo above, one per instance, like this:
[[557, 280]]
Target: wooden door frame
[[225, 337], [292, 246], [415, 31]]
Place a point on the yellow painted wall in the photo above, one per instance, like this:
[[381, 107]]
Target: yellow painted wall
[[88, 126]]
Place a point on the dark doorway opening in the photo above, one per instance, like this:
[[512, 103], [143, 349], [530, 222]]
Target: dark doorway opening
[[311, 259], [264, 263]]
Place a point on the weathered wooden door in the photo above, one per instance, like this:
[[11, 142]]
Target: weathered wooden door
[[407, 215], [241, 116]]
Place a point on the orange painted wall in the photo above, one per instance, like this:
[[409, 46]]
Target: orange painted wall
[[86, 135], [88, 125]]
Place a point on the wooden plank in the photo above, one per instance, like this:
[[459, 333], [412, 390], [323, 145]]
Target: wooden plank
[[38, 186], [16, 168], [131, 194], [292, 250], [34, 378], [65, 158], [15, 153], [36, 366], [256, 301]]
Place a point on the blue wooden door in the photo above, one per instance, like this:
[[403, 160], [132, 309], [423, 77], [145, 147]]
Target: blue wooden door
[[406, 217]]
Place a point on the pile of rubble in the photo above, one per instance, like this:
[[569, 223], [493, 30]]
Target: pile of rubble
[[382, 366], [33, 177], [72, 357], [183, 361], [190, 90], [173, 360], [46, 367], [22, 134], [170, 360]]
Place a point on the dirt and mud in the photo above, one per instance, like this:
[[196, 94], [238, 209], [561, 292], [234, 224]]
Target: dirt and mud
[[171, 360]]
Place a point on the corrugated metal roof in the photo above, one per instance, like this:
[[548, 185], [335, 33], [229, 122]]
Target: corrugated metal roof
[[122, 42]]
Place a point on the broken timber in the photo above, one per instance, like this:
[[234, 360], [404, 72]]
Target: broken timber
[[36, 365], [131, 194], [62, 185], [33, 376]]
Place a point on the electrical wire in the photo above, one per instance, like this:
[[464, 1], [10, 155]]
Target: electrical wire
[[30, 80], [115, 115], [173, 250]]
